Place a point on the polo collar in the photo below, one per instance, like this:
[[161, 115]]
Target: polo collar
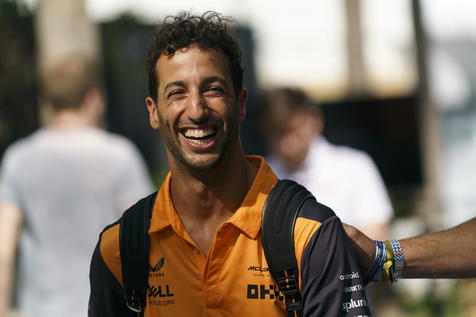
[[247, 217]]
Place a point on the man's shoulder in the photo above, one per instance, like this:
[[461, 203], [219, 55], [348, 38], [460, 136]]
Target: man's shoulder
[[339, 149], [109, 239], [109, 249], [313, 210], [24, 143], [111, 140], [20, 149], [345, 156], [94, 143], [311, 217], [109, 236]]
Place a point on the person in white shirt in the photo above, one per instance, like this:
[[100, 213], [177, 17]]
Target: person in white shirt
[[343, 178], [58, 188]]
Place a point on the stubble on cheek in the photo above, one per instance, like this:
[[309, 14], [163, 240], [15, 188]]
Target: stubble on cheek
[[169, 138]]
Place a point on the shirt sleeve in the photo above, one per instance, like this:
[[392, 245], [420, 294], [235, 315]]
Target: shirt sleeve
[[8, 187], [331, 282], [106, 297]]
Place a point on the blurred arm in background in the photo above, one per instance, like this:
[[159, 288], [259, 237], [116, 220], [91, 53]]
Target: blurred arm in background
[[10, 224]]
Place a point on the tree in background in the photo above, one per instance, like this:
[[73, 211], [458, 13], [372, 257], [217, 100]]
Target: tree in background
[[18, 80]]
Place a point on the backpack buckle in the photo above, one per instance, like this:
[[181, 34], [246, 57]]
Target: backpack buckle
[[288, 285], [133, 302]]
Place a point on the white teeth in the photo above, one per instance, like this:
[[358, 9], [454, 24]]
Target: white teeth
[[200, 142], [198, 133]]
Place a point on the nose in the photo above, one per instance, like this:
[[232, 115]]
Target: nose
[[197, 110]]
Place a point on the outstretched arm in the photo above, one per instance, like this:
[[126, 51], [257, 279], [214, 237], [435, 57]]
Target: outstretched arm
[[446, 254], [10, 223]]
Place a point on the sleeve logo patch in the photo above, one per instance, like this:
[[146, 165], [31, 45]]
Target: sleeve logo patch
[[349, 276], [157, 266], [354, 304]]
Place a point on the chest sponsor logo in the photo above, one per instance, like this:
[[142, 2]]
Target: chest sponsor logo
[[350, 276], [160, 295], [354, 304], [154, 270], [261, 291], [259, 271], [160, 291], [353, 288]]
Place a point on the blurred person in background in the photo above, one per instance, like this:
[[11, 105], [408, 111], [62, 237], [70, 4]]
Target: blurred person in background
[[58, 188], [340, 177]]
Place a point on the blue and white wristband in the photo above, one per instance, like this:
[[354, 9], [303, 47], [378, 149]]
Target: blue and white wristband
[[374, 274], [388, 262]]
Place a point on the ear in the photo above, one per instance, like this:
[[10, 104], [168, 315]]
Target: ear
[[93, 106], [153, 113], [243, 98], [319, 120]]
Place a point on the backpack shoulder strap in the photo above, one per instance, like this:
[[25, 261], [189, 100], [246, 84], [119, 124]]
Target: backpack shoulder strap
[[134, 248], [277, 233]]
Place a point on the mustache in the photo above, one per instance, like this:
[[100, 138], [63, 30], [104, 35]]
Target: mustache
[[203, 121]]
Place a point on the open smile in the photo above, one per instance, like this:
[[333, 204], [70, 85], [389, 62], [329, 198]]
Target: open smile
[[200, 139]]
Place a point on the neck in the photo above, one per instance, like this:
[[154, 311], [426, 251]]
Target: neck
[[70, 119], [208, 195], [204, 200]]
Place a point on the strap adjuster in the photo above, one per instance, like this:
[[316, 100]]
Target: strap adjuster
[[296, 306], [133, 302], [288, 285]]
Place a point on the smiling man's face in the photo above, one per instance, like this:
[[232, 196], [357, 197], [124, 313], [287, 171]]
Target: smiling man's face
[[197, 109]]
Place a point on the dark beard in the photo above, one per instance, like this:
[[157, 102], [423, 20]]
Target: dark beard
[[172, 144]]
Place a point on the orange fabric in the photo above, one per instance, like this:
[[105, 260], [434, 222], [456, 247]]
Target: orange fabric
[[110, 253], [232, 281], [303, 231]]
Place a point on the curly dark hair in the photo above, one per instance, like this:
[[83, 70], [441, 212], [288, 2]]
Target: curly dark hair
[[210, 30]]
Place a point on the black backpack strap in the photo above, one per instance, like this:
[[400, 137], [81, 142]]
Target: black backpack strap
[[134, 249], [277, 233]]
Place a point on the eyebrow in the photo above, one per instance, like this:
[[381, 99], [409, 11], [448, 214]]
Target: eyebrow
[[212, 79], [178, 83], [206, 81]]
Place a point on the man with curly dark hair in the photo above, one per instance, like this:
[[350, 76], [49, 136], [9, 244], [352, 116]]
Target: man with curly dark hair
[[205, 254], [208, 31]]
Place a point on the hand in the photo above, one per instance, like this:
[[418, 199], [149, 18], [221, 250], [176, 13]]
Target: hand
[[363, 245]]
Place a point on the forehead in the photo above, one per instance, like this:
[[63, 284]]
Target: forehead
[[192, 62]]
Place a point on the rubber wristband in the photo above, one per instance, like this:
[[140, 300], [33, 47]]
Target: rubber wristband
[[374, 274]]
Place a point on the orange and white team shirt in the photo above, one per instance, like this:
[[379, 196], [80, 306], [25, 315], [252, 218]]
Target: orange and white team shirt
[[234, 279]]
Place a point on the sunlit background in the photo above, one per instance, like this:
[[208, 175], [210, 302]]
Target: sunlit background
[[395, 78]]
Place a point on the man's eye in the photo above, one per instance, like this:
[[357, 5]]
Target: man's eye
[[175, 93], [214, 91]]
